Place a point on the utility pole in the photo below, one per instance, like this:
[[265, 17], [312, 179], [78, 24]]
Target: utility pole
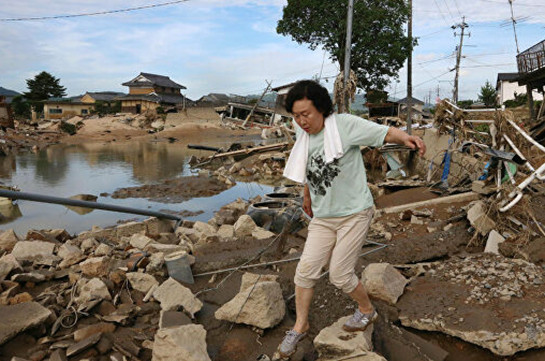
[[463, 25], [347, 51], [256, 103], [410, 72], [528, 86]]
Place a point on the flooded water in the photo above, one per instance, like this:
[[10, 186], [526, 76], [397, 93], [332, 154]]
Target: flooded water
[[64, 171]]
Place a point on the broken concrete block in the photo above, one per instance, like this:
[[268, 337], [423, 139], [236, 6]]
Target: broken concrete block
[[184, 233], [94, 289], [204, 228], [226, 232], [70, 255], [103, 250], [156, 262], [20, 317], [261, 233], [33, 277], [140, 241], [35, 251], [141, 281], [95, 266], [130, 228], [478, 218], [480, 187], [261, 305], [166, 249], [8, 239], [416, 220], [383, 281], [97, 328], [88, 244], [8, 263], [156, 226], [333, 341], [493, 242], [244, 226], [172, 295], [186, 343]]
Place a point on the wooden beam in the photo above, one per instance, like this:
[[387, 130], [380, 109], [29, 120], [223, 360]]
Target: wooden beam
[[463, 197]]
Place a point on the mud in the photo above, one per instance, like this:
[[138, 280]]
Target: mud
[[175, 190]]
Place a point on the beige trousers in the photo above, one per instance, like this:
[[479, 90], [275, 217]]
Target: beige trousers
[[338, 241]]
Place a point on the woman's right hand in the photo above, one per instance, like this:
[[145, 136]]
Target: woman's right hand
[[307, 203]]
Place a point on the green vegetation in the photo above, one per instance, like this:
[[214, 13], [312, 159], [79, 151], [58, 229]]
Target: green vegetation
[[379, 43], [488, 95], [20, 107], [43, 87]]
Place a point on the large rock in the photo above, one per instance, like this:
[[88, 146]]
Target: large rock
[[485, 299], [95, 266], [258, 304], [94, 289], [20, 317], [88, 331], [8, 263], [261, 233], [244, 226], [70, 255], [383, 281], [204, 228], [493, 242], [333, 342], [142, 282], [8, 239], [172, 295], [186, 343], [226, 232], [35, 251]]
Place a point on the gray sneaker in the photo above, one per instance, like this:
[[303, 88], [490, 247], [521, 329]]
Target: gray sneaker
[[360, 321], [289, 343]]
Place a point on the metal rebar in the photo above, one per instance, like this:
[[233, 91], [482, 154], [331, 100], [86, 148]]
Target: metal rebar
[[85, 204]]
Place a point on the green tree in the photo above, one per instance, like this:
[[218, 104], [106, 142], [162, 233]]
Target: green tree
[[43, 87], [379, 45], [488, 94], [20, 107]]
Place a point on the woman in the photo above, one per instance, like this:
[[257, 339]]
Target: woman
[[336, 196]]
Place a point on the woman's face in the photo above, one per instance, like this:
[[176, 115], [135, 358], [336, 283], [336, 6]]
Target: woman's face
[[307, 116]]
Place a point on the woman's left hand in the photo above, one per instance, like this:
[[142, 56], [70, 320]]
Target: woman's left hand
[[415, 142]]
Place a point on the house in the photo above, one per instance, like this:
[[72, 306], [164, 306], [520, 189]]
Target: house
[[281, 94], [61, 108], [8, 94], [6, 116], [262, 117], [219, 99], [507, 87], [531, 67], [147, 92], [106, 97]]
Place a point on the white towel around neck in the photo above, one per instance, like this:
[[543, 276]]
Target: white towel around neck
[[333, 149]]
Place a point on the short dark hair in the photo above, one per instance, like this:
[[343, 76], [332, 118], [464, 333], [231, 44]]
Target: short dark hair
[[314, 92]]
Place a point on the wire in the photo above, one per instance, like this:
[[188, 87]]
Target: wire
[[107, 12], [457, 7], [518, 3], [440, 12]]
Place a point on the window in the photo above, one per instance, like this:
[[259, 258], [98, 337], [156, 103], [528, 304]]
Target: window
[[55, 111], [84, 111]]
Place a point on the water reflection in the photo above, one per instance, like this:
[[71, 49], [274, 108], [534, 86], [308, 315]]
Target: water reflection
[[9, 211], [67, 170]]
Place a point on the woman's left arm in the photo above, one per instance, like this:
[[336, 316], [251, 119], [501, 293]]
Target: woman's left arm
[[397, 136]]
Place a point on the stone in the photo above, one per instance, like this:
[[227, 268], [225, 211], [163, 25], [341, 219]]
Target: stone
[[260, 304], [261, 233], [8, 239], [8, 263], [156, 226], [184, 233], [100, 328], [83, 345], [20, 317], [156, 262], [95, 266], [104, 345], [416, 220], [33, 277], [226, 232], [68, 251], [35, 251], [166, 249], [480, 187], [172, 295], [186, 343], [173, 319], [58, 355], [359, 356], [249, 279], [204, 228], [129, 229], [383, 281], [478, 218], [94, 289], [88, 244], [142, 282], [20, 298], [493, 242], [333, 342], [244, 226], [140, 241], [103, 250]]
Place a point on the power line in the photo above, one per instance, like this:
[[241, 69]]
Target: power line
[[518, 3], [440, 12], [107, 12], [448, 9], [457, 7]]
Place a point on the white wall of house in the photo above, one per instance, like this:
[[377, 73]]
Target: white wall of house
[[508, 89]]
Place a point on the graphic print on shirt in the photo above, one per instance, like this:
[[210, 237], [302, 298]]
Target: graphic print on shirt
[[320, 175]]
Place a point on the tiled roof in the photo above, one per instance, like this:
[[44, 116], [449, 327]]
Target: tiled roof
[[148, 79]]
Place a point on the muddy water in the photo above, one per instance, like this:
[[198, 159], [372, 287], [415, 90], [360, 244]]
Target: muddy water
[[94, 168]]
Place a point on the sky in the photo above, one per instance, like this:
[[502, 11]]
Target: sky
[[232, 46]]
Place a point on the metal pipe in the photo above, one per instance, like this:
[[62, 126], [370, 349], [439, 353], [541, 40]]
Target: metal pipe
[[519, 153], [526, 135], [86, 204]]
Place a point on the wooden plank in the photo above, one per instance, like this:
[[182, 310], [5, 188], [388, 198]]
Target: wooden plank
[[463, 197], [251, 150]]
